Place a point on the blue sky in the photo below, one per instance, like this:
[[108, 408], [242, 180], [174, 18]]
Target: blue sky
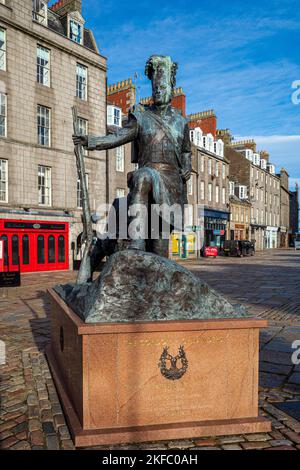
[[238, 57]]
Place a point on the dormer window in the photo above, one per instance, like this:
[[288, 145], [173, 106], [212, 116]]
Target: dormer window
[[263, 164], [196, 136], [249, 154], [219, 148], [256, 159], [39, 11], [76, 31], [271, 169], [243, 192], [210, 142]]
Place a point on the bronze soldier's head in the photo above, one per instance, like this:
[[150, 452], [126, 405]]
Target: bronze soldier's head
[[161, 70]]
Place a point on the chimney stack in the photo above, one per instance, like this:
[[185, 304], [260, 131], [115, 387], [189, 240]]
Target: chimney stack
[[61, 7]]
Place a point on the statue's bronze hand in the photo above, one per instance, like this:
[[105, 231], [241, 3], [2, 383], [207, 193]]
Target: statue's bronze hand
[[80, 140]]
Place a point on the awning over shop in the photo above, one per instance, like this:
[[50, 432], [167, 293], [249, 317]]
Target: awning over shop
[[216, 214]]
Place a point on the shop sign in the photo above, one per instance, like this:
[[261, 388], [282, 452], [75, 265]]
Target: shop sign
[[10, 279], [211, 251]]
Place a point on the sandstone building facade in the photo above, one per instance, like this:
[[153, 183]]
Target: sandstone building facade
[[252, 177]]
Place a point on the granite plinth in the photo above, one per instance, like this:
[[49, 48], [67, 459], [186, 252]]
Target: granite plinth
[[114, 389]]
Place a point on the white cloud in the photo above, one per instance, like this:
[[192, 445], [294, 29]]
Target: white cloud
[[272, 139]]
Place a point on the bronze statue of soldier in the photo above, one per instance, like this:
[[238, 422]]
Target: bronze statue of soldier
[[160, 135]]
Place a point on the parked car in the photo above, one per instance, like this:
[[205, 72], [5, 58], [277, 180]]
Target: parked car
[[297, 242], [239, 248]]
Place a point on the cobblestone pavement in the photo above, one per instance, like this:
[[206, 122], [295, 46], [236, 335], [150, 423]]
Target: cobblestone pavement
[[267, 284]]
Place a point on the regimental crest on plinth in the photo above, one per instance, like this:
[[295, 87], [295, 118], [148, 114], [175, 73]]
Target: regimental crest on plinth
[[168, 364]]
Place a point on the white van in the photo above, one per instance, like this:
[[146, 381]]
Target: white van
[[297, 242]]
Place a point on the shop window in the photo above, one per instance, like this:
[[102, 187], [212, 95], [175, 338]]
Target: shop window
[[61, 249], [41, 249], [51, 249], [15, 250], [5, 239], [25, 249]]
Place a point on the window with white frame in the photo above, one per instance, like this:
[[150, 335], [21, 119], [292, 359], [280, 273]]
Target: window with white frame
[[252, 172], [209, 192], [83, 129], [44, 125], [76, 31], [202, 162], [231, 188], [189, 215], [81, 82], [223, 171], [262, 216], [256, 159], [217, 194], [3, 181], [257, 194], [217, 169], [219, 148], [249, 154], [79, 191], [120, 158], [120, 192], [263, 164], [243, 192], [257, 216], [271, 169], [3, 115], [190, 186], [198, 137], [202, 190], [2, 49], [223, 195], [43, 65], [210, 142], [44, 185], [262, 195], [209, 166], [114, 116], [39, 11]]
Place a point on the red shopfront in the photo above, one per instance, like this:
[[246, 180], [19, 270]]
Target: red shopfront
[[35, 245]]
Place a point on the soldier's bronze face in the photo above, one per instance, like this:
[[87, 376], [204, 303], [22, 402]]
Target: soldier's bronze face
[[161, 82]]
